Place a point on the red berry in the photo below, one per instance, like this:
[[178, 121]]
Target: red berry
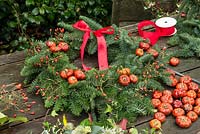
[[25, 99], [64, 46], [139, 52], [33, 102], [50, 43], [21, 110], [14, 115], [32, 113], [144, 45], [29, 106], [18, 86]]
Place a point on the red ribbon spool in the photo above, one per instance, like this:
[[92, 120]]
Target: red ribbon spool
[[163, 27], [102, 47]]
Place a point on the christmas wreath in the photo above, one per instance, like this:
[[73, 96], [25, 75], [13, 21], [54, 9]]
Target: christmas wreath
[[120, 89]]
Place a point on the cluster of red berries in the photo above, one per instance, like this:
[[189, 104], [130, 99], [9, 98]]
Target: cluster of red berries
[[58, 33], [28, 105], [143, 46], [62, 46], [42, 92], [72, 76], [14, 97], [126, 77]]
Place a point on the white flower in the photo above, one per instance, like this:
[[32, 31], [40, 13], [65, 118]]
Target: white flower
[[69, 126], [82, 130]]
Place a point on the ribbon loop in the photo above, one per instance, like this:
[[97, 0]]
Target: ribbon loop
[[102, 47], [105, 30], [152, 36], [81, 25]]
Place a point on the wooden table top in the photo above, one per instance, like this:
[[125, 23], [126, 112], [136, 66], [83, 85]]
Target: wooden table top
[[11, 64]]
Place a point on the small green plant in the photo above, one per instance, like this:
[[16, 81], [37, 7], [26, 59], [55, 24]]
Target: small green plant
[[4, 119], [87, 127]]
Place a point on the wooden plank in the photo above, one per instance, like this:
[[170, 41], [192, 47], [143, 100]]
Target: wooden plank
[[88, 61], [195, 73], [13, 57], [10, 73], [142, 119], [162, 42], [35, 126], [186, 64]]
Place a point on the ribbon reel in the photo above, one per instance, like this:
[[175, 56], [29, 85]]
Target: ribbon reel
[[163, 27]]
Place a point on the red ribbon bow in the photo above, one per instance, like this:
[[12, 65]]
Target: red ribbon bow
[[154, 36], [102, 48]]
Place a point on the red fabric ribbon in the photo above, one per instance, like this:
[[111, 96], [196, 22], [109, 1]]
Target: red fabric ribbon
[[102, 47], [154, 36], [123, 123]]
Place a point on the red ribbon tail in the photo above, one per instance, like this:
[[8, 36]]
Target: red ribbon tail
[[90, 117], [153, 38], [123, 124], [102, 53]]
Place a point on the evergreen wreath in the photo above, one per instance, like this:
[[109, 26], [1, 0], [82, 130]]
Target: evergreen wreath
[[188, 30], [98, 92]]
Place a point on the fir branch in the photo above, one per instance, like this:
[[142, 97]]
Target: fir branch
[[49, 103], [153, 84], [197, 50], [165, 78], [67, 27], [140, 108], [73, 36], [94, 25], [92, 47], [192, 23], [30, 70], [174, 41], [58, 105], [111, 39], [146, 58]]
